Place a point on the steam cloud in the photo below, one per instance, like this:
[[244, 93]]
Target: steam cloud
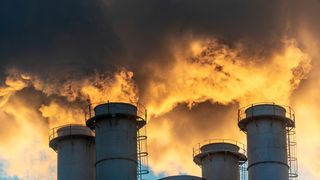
[[192, 63]]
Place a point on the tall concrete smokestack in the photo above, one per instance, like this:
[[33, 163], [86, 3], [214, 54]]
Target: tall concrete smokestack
[[267, 127], [75, 147], [220, 159], [116, 126]]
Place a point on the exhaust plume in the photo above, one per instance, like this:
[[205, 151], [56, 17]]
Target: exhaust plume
[[192, 64]]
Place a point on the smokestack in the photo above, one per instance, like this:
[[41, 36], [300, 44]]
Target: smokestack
[[268, 128], [182, 177], [116, 126], [220, 159], [75, 147]]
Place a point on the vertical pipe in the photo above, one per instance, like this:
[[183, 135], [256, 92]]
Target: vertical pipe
[[219, 161], [116, 126], [266, 126], [75, 148]]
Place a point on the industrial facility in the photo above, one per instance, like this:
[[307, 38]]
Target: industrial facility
[[113, 146]]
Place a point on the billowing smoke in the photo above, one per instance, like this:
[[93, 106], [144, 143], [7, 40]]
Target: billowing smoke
[[191, 63]]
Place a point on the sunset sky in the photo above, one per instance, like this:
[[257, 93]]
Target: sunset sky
[[191, 63]]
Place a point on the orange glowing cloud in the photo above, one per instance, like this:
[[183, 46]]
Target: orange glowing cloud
[[24, 142], [203, 71], [220, 74]]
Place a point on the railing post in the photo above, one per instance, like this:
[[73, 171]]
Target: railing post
[[145, 115], [108, 106], [252, 110], [274, 110], [290, 112]]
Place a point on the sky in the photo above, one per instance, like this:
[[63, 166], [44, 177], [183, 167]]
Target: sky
[[192, 64]]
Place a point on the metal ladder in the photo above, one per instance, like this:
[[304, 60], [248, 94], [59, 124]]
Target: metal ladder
[[142, 154], [292, 152]]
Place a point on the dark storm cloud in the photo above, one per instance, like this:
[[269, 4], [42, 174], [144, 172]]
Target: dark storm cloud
[[78, 35], [261, 23], [42, 35]]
